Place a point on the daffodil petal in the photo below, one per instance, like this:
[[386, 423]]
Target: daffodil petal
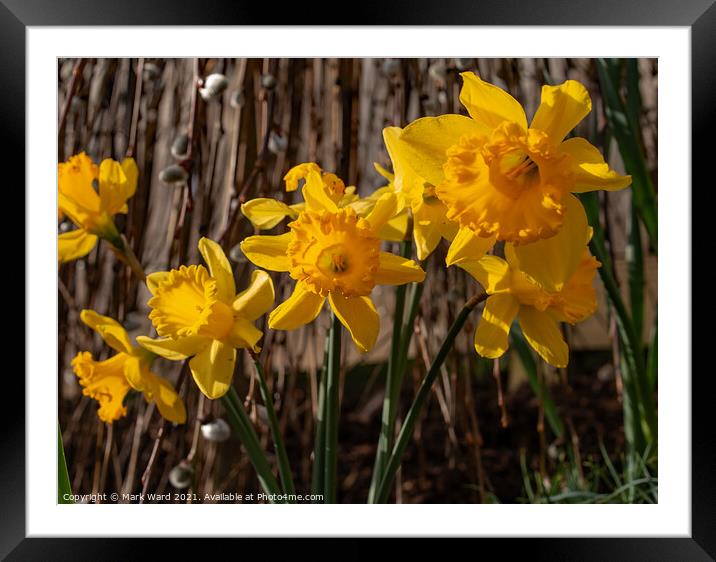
[[468, 246], [168, 401], [213, 369], [384, 210], [427, 237], [561, 109], [426, 140], [491, 272], [74, 182], [111, 331], [174, 349], [74, 245], [268, 252], [113, 186], [133, 372], [397, 270], [590, 170], [489, 105], [314, 193], [494, 327], [154, 279], [552, 261], [257, 298], [382, 171], [244, 335], [544, 335], [265, 213], [219, 268], [396, 228], [359, 316], [129, 167], [300, 308]]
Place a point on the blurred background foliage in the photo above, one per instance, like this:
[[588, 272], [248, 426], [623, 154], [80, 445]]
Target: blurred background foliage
[[516, 430]]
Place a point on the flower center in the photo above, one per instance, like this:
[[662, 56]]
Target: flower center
[[334, 251], [186, 304], [509, 184], [513, 166]]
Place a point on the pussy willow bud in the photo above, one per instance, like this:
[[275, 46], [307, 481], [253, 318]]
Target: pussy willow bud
[[181, 475], [151, 71], [268, 81], [237, 99], [180, 146], [277, 143], [214, 86], [217, 430], [173, 174], [391, 67]]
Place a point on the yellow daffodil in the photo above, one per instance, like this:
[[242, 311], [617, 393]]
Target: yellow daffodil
[[333, 253], [110, 380], [198, 314], [265, 213], [430, 223], [543, 283], [499, 178], [91, 211]]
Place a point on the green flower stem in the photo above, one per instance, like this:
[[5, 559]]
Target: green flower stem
[[125, 253], [243, 427], [63, 478], [392, 386], [333, 407], [412, 417], [319, 446], [283, 465]]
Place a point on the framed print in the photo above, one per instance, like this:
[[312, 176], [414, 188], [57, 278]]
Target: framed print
[[398, 276]]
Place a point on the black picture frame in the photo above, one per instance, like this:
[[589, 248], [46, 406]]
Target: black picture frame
[[699, 15]]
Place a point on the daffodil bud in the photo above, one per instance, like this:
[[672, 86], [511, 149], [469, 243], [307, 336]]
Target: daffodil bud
[[180, 146], [277, 143], [181, 475], [216, 430], [214, 86], [268, 81], [173, 174]]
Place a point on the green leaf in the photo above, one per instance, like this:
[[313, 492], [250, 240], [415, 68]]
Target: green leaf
[[624, 124], [64, 490]]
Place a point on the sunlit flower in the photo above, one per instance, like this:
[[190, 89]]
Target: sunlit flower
[[499, 178], [265, 213], [543, 283], [198, 314], [110, 380], [430, 223], [333, 253], [89, 209]]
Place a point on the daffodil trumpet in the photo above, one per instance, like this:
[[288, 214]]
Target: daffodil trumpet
[[333, 254], [198, 314], [109, 381], [406, 430], [498, 177]]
